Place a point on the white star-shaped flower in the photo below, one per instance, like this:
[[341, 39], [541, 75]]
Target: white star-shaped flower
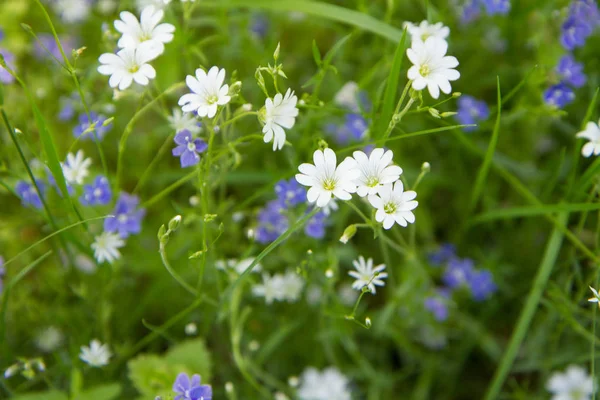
[[591, 133], [76, 168], [596, 298], [366, 275], [326, 180], [106, 247], [432, 68], [271, 289], [128, 65], [420, 33], [208, 92], [181, 121], [96, 355], [573, 384], [280, 112], [146, 29], [375, 170], [292, 286], [330, 384], [394, 205]]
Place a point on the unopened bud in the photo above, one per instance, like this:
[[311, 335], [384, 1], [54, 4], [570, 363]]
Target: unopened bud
[[253, 345], [276, 53], [229, 387], [210, 217], [293, 381], [217, 129], [10, 371], [329, 273], [235, 88], [348, 234], [456, 94], [425, 167], [108, 121], [194, 201], [161, 231], [247, 107], [191, 329], [434, 112], [174, 223], [368, 322], [448, 114]]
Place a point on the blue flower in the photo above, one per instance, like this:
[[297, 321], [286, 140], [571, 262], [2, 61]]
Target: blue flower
[[481, 283], [581, 21], [571, 71], [471, 110], [9, 58], [457, 272], [67, 107], [353, 129], [97, 194], [29, 195], [559, 95], [315, 227], [493, 7], [187, 389], [188, 148], [272, 222], [259, 25], [470, 11], [437, 306], [84, 123], [445, 253], [127, 217], [46, 47], [290, 193]]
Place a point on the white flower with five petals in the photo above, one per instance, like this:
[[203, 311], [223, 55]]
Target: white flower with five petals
[[106, 247], [279, 113], [135, 32], [208, 92], [327, 179], [366, 275], [128, 65], [394, 205], [432, 68], [76, 168], [591, 133], [375, 170], [573, 384], [96, 355]]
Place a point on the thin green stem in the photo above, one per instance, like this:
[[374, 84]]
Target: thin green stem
[[175, 275]]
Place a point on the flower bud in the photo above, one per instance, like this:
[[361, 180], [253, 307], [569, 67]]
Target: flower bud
[[161, 231], [348, 234], [174, 223], [247, 107], [425, 167], [456, 94], [276, 53], [229, 387], [434, 112], [108, 121], [448, 114], [191, 329], [293, 381], [329, 273], [10, 371], [368, 322], [235, 88]]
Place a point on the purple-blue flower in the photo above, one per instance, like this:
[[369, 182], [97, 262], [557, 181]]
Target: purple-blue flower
[[470, 11], [84, 124], [315, 227], [28, 194], [481, 283], [290, 193], [67, 107], [445, 253], [272, 222], [457, 272], [46, 43], [437, 306], [581, 21], [188, 148], [127, 217], [9, 58], [191, 389], [471, 111], [353, 129], [259, 25], [571, 71], [559, 95], [493, 7], [99, 193]]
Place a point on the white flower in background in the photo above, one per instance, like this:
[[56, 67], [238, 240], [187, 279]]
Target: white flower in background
[[330, 207], [181, 121], [271, 289], [96, 355], [330, 384], [106, 247], [420, 33], [208, 92], [347, 96], [327, 180], [191, 329], [292, 286], [85, 264], [280, 112], [347, 295], [128, 65], [375, 170], [432, 68], [573, 384], [73, 11], [596, 298], [76, 168], [159, 4], [591, 133], [239, 266], [365, 274], [146, 29], [49, 339], [393, 204]]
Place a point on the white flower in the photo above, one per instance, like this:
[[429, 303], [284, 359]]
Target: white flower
[[347, 295], [425, 30], [375, 170], [366, 275], [72, 11], [327, 385], [393, 204], [347, 96], [49, 339], [128, 65], [327, 180], [292, 286], [574, 384], [181, 121], [280, 112], [142, 4], [432, 68], [96, 355], [106, 247], [238, 266], [591, 133], [208, 92], [76, 168], [596, 298], [146, 29], [271, 289], [330, 207]]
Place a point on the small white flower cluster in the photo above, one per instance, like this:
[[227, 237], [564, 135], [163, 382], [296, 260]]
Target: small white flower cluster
[[96, 354], [432, 68], [286, 287], [373, 176], [141, 42]]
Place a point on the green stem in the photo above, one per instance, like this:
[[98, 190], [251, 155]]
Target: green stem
[[175, 275], [396, 117]]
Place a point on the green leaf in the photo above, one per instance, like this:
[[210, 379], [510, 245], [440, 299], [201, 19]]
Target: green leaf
[[533, 211], [316, 53], [108, 391], [49, 395], [194, 355], [335, 48]]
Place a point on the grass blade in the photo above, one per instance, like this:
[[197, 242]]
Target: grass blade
[[533, 211]]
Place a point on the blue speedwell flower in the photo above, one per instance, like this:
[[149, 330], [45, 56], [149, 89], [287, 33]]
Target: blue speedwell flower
[[445, 253], [457, 272], [353, 129], [559, 95], [127, 217], [191, 389], [315, 227], [481, 283], [98, 131], [571, 71], [581, 21], [188, 148], [98, 193], [290, 193], [471, 111], [272, 222], [9, 59], [437, 305], [29, 195], [493, 7]]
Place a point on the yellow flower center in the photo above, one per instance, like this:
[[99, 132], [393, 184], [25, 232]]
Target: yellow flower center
[[424, 70], [389, 208], [329, 184]]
